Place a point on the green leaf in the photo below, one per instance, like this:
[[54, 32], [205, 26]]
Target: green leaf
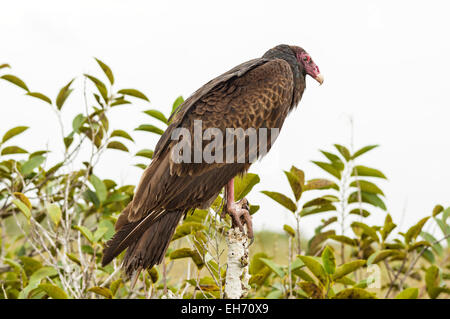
[[437, 210], [408, 293], [121, 133], [334, 159], [303, 275], [253, 209], [101, 87], [145, 153], [320, 201], [314, 244], [315, 267], [13, 132], [106, 70], [295, 183], [150, 128], [344, 239], [432, 281], [102, 291], [5, 65], [429, 256], [117, 146], [185, 253], [312, 290], [297, 263], [346, 281], [359, 212], [154, 274], [17, 268], [282, 199], [31, 164], [367, 230], [380, 255], [15, 80], [446, 214], [119, 101], [30, 265], [178, 101], [354, 293], [157, 115], [445, 228], [73, 258], [187, 229], [367, 171], [22, 207], [100, 188], [328, 260], [90, 196], [53, 291], [13, 150], [85, 232], [63, 95], [437, 247], [205, 284], [133, 92], [68, 141], [54, 212], [363, 150], [344, 151], [115, 285], [418, 244], [260, 278], [35, 280], [368, 198], [244, 184], [78, 122], [367, 187], [109, 229], [329, 168], [415, 230], [40, 96], [99, 233], [24, 199], [325, 223], [348, 268], [273, 266], [388, 227], [316, 209], [256, 265], [319, 183], [289, 230]]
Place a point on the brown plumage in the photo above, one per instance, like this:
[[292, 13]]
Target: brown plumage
[[256, 94]]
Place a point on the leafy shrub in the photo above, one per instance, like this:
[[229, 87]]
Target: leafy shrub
[[56, 217]]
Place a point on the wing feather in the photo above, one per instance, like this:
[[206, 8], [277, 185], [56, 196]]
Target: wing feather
[[257, 94]]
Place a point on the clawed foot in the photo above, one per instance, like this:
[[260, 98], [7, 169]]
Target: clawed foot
[[240, 215]]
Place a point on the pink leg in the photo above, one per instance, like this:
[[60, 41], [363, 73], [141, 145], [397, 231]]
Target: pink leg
[[238, 211]]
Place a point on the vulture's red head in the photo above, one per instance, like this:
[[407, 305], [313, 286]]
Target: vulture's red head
[[296, 56], [310, 67]]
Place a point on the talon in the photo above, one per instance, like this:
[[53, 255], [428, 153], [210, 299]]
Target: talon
[[238, 210], [239, 216]]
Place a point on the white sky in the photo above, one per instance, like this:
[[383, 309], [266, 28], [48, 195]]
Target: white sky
[[386, 64]]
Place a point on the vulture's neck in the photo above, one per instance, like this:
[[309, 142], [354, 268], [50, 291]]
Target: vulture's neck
[[297, 70]]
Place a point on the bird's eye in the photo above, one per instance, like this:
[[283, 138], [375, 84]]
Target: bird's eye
[[306, 58]]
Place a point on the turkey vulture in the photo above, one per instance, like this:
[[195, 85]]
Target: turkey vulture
[[255, 94]]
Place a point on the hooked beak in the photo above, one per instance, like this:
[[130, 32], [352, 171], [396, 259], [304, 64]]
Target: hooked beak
[[319, 78]]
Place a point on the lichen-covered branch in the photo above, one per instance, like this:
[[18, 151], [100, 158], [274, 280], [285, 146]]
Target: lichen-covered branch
[[236, 281]]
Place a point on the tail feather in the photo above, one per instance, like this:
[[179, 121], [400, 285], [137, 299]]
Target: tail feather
[[147, 240], [151, 247]]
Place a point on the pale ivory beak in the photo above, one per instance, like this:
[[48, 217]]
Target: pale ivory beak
[[319, 78]]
